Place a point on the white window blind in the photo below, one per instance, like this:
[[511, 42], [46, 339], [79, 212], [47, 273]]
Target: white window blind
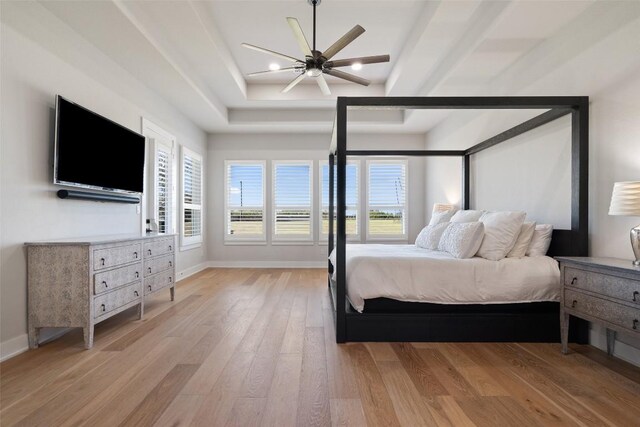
[[164, 187], [191, 197], [244, 198], [386, 201], [352, 198], [292, 200]]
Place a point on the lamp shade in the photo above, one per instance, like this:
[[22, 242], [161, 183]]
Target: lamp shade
[[625, 199]]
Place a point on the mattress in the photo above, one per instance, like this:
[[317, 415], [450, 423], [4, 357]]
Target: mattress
[[409, 273]]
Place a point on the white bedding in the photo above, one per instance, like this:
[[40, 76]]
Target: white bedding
[[410, 273]]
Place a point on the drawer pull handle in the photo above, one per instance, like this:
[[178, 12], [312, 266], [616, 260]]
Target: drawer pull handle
[[170, 248], [149, 270], [104, 283], [102, 262], [149, 251], [103, 308], [137, 275], [149, 287], [170, 279], [635, 296], [170, 263], [574, 280], [635, 323], [135, 293], [135, 255], [574, 303]]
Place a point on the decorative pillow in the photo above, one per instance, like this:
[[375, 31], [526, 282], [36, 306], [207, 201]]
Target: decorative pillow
[[501, 231], [466, 216], [541, 240], [440, 217], [462, 239], [430, 236], [524, 239]]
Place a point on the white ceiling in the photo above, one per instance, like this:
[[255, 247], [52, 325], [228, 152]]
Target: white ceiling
[[189, 52]]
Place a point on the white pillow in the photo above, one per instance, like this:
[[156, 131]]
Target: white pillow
[[462, 239], [524, 239], [430, 236], [501, 231], [541, 240], [440, 217], [467, 216]]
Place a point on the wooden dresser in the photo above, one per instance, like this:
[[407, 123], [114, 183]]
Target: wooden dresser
[[600, 290], [82, 282]]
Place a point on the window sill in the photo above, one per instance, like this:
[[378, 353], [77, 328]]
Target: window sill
[[292, 243], [245, 243], [190, 247]]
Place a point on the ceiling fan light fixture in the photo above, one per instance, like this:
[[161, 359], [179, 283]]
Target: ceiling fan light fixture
[[314, 72], [274, 67], [356, 66]]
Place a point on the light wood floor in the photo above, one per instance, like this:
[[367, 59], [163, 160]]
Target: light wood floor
[[257, 347]]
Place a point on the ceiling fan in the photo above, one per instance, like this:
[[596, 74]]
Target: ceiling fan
[[317, 63]]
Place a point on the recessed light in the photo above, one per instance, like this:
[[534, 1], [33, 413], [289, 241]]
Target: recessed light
[[274, 67], [356, 66]]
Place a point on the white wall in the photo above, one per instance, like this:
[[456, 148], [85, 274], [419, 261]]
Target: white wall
[[30, 78], [293, 147]]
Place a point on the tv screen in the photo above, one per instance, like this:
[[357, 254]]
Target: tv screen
[[92, 151]]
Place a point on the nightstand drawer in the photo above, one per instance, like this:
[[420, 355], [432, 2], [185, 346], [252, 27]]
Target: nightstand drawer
[[621, 288], [617, 314]]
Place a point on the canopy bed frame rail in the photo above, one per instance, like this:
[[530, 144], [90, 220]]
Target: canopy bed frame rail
[[390, 320]]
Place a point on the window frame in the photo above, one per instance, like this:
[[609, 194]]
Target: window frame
[[390, 237], [191, 242], [322, 237], [247, 239], [275, 239]]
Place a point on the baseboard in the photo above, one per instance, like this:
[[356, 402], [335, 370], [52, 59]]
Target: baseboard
[[192, 270], [14, 347], [267, 264], [622, 350]]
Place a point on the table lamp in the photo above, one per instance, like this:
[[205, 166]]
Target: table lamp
[[625, 200]]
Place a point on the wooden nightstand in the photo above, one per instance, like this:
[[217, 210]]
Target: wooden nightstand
[[600, 290]]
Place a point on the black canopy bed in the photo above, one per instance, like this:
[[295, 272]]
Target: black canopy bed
[[386, 319]]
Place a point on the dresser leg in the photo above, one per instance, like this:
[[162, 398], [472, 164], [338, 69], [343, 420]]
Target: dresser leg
[[611, 341], [34, 337], [88, 337], [173, 292], [564, 332], [140, 311]]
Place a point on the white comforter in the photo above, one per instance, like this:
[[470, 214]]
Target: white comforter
[[409, 273]]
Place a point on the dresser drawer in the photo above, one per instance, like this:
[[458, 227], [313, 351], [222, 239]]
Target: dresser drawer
[[113, 300], [618, 314], [156, 265], [113, 279], [612, 286], [159, 281], [159, 247], [112, 257]]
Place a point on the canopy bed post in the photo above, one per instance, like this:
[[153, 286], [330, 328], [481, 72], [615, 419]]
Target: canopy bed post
[[341, 235], [466, 181], [580, 176]]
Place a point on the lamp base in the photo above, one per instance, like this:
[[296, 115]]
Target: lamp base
[[635, 244]]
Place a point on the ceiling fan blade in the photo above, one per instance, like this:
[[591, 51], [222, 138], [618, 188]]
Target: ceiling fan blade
[[361, 60], [324, 87], [346, 76], [294, 82], [299, 35], [271, 52], [257, 73], [343, 41]]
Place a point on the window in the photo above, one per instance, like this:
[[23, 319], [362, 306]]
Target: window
[[244, 198], [292, 198], [191, 197], [353, 190], [160, 200], [386, 201]]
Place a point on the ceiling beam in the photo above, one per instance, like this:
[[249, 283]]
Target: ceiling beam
[[173, 58], [216, 39], [416, 34]]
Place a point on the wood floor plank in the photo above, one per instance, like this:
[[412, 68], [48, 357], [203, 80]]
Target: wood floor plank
[[257, 346], [155, 402], [378, 407], [313, 398], [347, 413]]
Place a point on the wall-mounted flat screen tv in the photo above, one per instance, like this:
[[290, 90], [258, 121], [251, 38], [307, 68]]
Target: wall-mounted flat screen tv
[[94, 152]]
